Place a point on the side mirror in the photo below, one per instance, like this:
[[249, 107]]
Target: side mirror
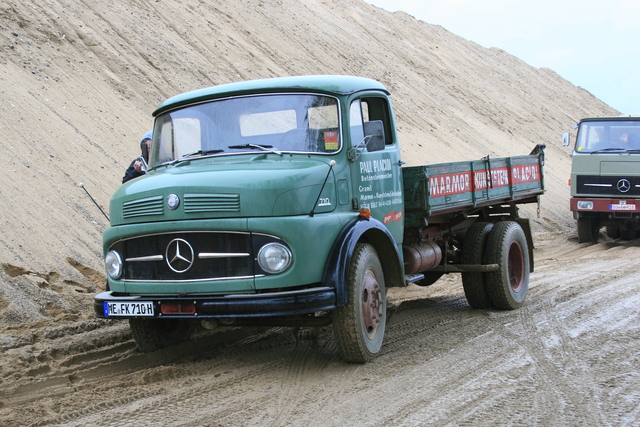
[[566, 139], [374, 132]]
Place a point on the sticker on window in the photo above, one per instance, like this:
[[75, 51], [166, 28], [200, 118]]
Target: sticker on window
[[330, 140]]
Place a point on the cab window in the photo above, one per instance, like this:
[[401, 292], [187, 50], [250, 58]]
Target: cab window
[[366, 109]]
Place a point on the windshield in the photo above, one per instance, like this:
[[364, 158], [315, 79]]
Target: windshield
[[274, 123], [603, 136]]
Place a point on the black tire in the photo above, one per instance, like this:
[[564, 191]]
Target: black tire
[[507, 247], [473, 249], [613, 231], [588, 230], [359, 325], [626, 234], [155, 334]]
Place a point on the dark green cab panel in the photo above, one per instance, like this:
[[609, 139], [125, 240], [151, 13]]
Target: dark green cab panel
[[227, 188], [310, 240]]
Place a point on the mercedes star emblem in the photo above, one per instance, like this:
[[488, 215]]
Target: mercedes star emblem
[[179, 255], [624, 185], [173, 201]]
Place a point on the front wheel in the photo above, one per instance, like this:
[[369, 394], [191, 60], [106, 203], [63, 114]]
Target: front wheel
[[588, 230], [155, 334], [358, 326], [507, 247]]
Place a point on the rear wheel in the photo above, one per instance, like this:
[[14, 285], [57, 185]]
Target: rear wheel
[[588, 230], [359, 325], [155, 334], [626, 234], [613, 231], [507, 247], [473, 253]]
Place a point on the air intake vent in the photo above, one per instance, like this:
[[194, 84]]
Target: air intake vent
[[149, 206], [194, 203]]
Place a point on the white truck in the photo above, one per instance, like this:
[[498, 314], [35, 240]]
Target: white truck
[[605, 177]]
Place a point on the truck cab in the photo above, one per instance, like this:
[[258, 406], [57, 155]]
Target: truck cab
[[252, 206], [605, 177]]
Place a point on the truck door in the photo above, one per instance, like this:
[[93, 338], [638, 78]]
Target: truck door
[[376, 174]]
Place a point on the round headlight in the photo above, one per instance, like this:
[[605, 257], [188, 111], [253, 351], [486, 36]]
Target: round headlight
[[113, 264], [274, 258]]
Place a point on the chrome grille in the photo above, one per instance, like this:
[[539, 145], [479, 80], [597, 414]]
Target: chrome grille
[[209, 256], [607, 185]]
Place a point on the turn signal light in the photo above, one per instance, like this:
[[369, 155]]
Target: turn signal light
[[365, 213]]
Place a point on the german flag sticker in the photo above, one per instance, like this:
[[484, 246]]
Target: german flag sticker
[[330, 140]]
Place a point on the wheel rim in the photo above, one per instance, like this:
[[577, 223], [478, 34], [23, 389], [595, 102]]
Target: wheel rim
[[371, 304], [516, 266]]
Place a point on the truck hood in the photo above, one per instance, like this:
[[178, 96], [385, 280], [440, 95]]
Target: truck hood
[[599, 175], [259, 186]]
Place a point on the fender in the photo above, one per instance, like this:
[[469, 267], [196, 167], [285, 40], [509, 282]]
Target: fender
[[336, 269]]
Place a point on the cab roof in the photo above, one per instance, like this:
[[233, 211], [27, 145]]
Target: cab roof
[[328, 84], [611, 119]]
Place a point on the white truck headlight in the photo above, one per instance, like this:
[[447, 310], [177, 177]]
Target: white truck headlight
[[274, 258], [113, 264], [585, 204]]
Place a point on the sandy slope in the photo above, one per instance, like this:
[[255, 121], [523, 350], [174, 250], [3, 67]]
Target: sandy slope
[[78, 82]]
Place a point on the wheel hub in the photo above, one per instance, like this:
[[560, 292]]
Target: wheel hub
[[516, 266], [371, 304]]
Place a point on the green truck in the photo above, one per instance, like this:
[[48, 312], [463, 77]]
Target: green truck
[[285, 202], [605, 177]]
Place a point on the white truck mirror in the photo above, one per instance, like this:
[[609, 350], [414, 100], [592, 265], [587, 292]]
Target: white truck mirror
[[566, 139]]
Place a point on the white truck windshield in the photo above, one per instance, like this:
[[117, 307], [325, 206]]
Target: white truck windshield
[[615, 135]]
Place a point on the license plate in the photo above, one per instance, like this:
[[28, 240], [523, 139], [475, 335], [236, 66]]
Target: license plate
[[623, 207], [139, 308]]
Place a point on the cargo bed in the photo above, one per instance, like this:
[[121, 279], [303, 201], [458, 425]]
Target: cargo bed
[[450, 187]]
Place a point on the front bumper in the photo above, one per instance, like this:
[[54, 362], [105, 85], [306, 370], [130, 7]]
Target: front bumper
[[275, 304], [608, 205]]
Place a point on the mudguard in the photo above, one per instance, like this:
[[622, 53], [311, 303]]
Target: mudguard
[[371, 230]]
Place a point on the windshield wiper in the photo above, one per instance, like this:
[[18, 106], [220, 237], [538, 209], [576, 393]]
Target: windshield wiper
[[268, 148], [203, 153], [616, 150], [604, 150]]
